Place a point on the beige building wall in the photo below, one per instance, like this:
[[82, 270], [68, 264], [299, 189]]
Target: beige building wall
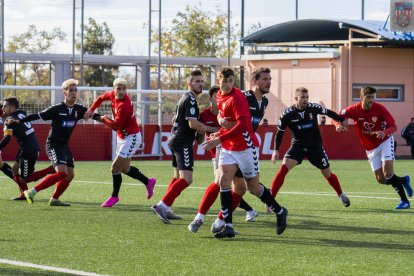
[[327, 78]]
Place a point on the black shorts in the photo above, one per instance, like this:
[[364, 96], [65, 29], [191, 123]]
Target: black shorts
[[183, 157], [316, 155], [27, 162], [59, 155]]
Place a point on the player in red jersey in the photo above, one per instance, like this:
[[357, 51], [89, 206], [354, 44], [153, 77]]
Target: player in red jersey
[[186, 125], [375, 126], [128, 138], [209, 117], [238, 152]]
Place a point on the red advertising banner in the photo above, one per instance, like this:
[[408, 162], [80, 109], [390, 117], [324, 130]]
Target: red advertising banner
[[94, 142]]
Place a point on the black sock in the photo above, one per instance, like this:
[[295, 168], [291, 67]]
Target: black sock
[[7, 170], [117, 180], [226, 203], [267, 198], [244, 205], [397, 184], [137, 174]]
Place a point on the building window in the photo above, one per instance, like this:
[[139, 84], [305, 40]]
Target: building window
[[385, 92]]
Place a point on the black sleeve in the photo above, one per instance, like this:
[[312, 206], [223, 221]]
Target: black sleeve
[[5, 141], [278, 139], [96, 116], [334, 115], [30, 118]]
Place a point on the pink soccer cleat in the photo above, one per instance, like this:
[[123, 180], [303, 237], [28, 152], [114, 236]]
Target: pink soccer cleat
[[111, 201], [150, 187]]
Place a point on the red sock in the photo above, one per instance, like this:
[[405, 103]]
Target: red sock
[[61, 187], [277, 182], [236, 201], [171, 182], [174, 191], [334, 182], [50, 180], [22, 186], [210, 196], [35, 176]]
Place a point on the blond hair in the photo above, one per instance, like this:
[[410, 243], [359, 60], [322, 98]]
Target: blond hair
[[120, 81], [68, 83]]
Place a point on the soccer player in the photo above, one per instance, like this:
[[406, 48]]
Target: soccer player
[[257, 103], [185, 126], [302, 120], [128, 138], [375, 126], [24, 165], [64, 117], [238, 152]]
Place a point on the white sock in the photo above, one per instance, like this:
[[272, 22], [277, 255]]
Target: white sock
[[199, 216], [218, 222]]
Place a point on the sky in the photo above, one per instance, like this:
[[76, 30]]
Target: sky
[[128, 19]]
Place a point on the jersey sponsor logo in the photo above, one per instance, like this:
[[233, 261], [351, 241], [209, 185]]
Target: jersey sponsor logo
[[361, 119], [295, 120], [369, 126], [305, 126], [253, 108], [29, 131], [374, 119], [68, 123], [63, 114]]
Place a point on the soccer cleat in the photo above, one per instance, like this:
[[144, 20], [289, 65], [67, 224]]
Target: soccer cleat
[[57, 202], [345, 200], [161, 212], [226, 232], [172, 215], [215, 229], [111, 201], [281, 221], [403, 205], [150, 187], [407, 186], [20, 197], [251, 215], [29, 195], [195, 225]]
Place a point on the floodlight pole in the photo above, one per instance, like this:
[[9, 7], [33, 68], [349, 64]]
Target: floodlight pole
[[81, 43], [297, 10], [228, 32], [242, 86], [159, 82], [2, 44], [362, 9], [73, 37]]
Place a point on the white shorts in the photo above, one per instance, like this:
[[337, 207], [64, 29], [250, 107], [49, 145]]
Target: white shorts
[[385, 151], [247, 160], [127, 147]]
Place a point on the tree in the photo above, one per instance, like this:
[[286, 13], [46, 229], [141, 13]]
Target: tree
[[98, 40], [32, 41], [194, 33]]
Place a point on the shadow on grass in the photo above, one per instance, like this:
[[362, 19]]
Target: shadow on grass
[[22, 272]]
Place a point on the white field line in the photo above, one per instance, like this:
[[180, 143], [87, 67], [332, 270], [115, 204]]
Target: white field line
[[49, 268], [351, 194]]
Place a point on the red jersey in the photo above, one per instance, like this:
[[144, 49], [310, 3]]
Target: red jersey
[[367, 122], [235, 107], [123, 112], [208, 118]]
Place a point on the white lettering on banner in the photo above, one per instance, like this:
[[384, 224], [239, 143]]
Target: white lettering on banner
[[164, 144], [267, 143], [200, 150], [265, 147]]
